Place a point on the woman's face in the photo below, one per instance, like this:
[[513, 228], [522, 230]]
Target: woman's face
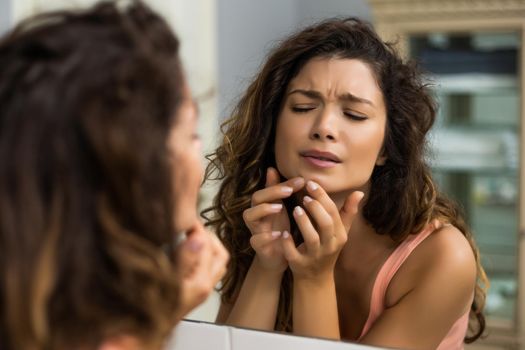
[[185, 147], [332, 125]]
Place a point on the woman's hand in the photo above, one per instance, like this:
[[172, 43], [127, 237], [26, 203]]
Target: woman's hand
[[324, 238], [202, 263], [267, 220]]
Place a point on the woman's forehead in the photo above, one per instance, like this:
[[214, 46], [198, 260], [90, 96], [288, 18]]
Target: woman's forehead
[[337, 77]]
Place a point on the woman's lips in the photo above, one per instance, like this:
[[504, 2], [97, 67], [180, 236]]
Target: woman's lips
[[319, 162], [320, 159]]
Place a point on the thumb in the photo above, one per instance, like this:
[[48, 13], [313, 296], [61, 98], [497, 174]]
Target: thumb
[[189, 255], [272, 177], [350, 209]]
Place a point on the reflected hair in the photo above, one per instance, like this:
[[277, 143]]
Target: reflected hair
[[88, 98], [246, 151]]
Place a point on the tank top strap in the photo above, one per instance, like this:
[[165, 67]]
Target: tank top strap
[[388, 271]]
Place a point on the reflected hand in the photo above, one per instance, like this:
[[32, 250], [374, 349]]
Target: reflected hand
[[315, 258], [202, 263], [267, 219]]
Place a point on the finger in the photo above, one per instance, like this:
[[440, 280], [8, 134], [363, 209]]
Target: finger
[[271, 194], [258, 212], [272, 177], [206, 258], [220, 258], [261, 239], [319, 194], [218, 268], [188, 250], [219, 249], [276, 190], [291, 254], [321, 218], [197, 285], [310, 235], [188, 256], [350, 209]]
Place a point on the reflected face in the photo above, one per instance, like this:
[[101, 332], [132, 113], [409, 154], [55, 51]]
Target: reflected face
[[332, 125], [185, 147]]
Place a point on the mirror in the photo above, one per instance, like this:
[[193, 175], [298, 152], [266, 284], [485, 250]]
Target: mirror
[[476, 78], [478, 83], [241, 34]]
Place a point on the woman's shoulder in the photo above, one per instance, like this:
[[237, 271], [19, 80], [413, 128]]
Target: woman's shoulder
[[446, 246], [442, 260]]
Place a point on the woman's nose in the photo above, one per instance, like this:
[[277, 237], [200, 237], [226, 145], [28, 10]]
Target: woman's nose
[[324, 127]]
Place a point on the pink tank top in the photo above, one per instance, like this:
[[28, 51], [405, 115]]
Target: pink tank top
[[454, 338]]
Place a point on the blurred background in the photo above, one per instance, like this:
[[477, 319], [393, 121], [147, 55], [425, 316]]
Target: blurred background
[[472, 51]]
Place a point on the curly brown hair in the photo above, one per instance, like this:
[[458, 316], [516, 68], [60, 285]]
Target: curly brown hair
[[88, 98], [247, 151]]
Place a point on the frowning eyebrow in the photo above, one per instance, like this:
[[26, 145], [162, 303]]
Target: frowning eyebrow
[[343, 97]]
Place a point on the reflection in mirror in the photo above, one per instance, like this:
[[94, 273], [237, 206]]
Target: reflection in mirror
[[233, 54], [334, 223]]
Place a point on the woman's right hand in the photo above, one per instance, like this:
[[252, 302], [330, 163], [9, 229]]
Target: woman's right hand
[[202, 261], [267, 219]]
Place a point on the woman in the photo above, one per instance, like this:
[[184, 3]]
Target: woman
[[100, 243], [327, 207]]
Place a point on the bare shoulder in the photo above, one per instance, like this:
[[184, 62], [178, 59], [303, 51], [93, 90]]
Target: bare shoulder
[[447, 249], [444, 262]]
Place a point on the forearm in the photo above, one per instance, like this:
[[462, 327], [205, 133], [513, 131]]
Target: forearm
[[315, 309], [256, 305]]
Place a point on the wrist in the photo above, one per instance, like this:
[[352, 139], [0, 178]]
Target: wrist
[[314, 281], [261, 269]]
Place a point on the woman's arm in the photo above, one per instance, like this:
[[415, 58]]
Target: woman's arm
[[255, 306], [441, 276], [202, 261], [315, 308], [312, 262]]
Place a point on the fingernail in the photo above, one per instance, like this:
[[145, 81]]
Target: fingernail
[[286, 189], [307, 199], [194, 246], [298, 211], [276, 207], [298, 182], [276, 234], [312, 186], [285, 234]]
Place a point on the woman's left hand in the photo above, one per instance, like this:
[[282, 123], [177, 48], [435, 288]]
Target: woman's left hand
[[315, 258]]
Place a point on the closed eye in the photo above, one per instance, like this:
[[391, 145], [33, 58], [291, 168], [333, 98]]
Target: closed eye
[[355, 117], [302, 109]]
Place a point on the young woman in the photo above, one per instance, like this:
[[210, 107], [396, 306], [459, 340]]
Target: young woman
[[99, 176], [328, 209]]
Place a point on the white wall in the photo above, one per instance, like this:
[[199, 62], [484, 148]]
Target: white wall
[[247, 30], [5, 15]]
